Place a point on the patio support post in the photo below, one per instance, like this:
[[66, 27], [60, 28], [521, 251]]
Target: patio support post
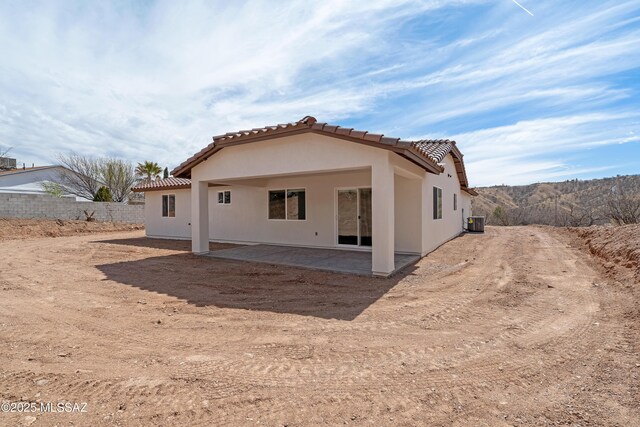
[[383, 218], [199, 217]]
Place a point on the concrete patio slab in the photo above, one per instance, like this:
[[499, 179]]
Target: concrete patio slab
[[336, 260]]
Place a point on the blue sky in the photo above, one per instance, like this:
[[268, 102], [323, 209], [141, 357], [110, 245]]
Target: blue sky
[[551, 96]]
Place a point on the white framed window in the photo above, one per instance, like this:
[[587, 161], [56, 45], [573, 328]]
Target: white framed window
[[168, 205], [288, 204], [437, 203], [224, 197], [455, 202]]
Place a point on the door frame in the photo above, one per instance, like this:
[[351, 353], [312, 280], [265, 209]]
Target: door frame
[[357, 247]]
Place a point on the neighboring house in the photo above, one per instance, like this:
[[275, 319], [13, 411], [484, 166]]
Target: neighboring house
[[30, 180], [315, 185]]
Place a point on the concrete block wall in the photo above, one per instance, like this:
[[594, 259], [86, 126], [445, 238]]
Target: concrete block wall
[[13, 205]]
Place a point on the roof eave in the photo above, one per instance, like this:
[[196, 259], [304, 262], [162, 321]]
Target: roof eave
[[238, 138], [172, 187], [399, 147]]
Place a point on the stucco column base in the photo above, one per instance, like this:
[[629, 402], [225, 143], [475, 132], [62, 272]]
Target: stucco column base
[[199, 217], [383, 219]]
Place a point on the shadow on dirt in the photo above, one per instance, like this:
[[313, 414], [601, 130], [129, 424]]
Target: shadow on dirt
[[173, 245], [205, 281]]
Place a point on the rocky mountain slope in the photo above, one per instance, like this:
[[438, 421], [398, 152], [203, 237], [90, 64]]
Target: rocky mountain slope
[[567, 203]]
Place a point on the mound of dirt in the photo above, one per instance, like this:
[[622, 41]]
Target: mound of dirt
[[15, 228], [615, 245]]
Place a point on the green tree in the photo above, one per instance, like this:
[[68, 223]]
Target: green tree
[[103, 195], [52, 188], [165, 175], [148, 171], [500, 214]]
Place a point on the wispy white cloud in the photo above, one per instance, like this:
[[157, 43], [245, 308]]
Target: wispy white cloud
[[129, 81], [544, 149], [156, 81]]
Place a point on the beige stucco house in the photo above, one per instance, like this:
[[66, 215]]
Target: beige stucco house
[[312, 184]]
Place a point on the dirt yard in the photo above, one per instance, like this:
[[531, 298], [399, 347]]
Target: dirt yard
[[519, 326], [13, 228]]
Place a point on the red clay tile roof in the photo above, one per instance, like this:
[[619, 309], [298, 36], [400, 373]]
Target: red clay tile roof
[[426, 153], [163, 184], [436, 149]]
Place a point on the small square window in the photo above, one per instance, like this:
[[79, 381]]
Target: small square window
[[224, 197]]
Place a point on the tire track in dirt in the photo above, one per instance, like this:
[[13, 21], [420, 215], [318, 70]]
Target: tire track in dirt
[[274, 370], [451, 337], [166, 395]]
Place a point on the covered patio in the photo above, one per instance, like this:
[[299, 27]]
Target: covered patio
[[334, 260], [308, 185]]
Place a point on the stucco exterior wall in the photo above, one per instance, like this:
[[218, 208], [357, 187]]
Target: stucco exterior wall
[[438, 231], [249, 171], [158, 226], [408, 213], [466, 207], [246, 218], [297, 154]]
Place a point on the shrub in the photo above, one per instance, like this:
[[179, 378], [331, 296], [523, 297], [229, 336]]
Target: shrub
[[103, 195]]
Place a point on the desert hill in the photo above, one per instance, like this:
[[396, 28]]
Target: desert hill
[[568, 203]]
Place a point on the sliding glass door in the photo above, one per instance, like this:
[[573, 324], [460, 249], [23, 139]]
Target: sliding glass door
[[354, 217], [364, 216]]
